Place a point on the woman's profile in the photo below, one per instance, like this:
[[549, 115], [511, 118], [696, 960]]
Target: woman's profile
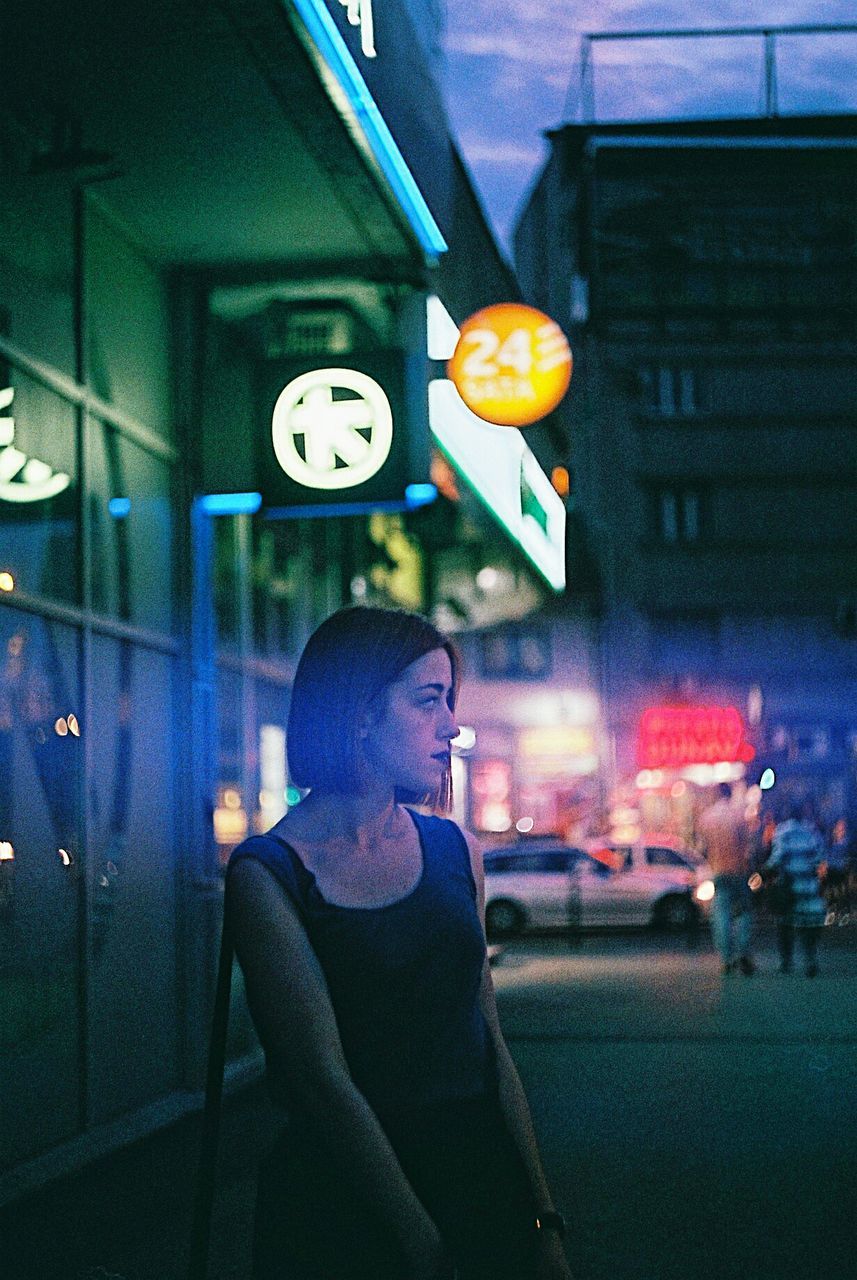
[[408, 1151]]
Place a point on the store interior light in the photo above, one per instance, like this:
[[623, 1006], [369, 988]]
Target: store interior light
[[119, 508], [465, 740], [487, 578]]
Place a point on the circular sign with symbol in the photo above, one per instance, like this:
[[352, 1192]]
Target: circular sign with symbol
[[332, 428], [512, 364]]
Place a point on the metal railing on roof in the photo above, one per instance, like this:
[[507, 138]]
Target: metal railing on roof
[[768, 34]]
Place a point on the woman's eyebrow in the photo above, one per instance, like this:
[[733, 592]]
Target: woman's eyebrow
[[440, 687]]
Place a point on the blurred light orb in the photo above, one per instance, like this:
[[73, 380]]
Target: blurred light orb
[[487, 578], [767, 779], [524, 825], [466, 738]]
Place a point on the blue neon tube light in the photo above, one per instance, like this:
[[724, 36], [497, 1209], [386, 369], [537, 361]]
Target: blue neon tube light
[[335, 53], [230, 504]]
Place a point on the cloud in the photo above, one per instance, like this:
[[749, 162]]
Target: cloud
[[513, 69], [480, 151]]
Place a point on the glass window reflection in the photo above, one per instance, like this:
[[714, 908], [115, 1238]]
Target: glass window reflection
[[41, 758], [38, 488], [132, 531], [133, 1007]]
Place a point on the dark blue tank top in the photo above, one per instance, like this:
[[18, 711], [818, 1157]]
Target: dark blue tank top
[[403, 979]]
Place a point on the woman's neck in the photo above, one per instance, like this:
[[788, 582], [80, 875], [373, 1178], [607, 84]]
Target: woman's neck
[[361, 818]]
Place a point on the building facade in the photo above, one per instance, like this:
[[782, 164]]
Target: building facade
[[198, 206], [706, 271]]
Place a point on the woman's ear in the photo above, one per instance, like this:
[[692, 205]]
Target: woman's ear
[[369, 718]]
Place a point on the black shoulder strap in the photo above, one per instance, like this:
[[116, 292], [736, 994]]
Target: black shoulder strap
[[205, 1178]]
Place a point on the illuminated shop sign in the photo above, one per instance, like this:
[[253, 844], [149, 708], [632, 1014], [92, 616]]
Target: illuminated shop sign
[[341, 436], [491, 792], [511, 364], [332, 429], [676, 737], [22, 478], [359, 14], [497, 463], [351, 96]]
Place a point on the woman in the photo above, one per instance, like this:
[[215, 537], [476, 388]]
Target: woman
[[409, 1152]]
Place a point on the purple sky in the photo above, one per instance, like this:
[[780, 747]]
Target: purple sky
[[513, 69]]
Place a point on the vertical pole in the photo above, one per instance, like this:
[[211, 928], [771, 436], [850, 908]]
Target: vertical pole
[[244, 588], [587, 81], [771, 105], [84, 869]]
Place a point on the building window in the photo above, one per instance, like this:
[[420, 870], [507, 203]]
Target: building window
[[678, 515], [673, 391]]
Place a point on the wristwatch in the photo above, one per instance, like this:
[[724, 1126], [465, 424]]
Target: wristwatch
[[551, 1221]]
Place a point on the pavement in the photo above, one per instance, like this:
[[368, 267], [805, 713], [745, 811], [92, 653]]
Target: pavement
[[692, 1125]]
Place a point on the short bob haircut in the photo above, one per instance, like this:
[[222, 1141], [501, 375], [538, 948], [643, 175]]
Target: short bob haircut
[[348, 661]]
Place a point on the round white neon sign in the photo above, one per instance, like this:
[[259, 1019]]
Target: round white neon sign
[[346, 440]]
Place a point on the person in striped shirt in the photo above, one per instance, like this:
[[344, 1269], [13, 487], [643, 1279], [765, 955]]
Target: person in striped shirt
[[796, 855]]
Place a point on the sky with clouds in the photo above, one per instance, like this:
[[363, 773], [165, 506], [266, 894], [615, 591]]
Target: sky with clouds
[[513, 70]]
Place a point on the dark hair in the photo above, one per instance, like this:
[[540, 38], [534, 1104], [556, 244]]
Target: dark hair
[[348, 661], [724, 790]]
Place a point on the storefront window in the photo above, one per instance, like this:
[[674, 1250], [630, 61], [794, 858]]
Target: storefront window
[[132, 533], [272, 709], [226, 580], [133, 1053], [231, 812], [41, 753], [38, 488], [127, 318], [276, 582], [37, 265]]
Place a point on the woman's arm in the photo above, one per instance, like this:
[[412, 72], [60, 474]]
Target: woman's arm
[[513, 1100], [291, 1010]]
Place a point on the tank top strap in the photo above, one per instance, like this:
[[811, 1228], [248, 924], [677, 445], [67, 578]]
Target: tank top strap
[[444, 848], [283, 863]]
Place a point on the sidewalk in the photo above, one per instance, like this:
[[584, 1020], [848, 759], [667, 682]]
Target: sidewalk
[[626, 1045], [127, 1217]]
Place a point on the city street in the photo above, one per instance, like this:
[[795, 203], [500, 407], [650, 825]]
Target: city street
[[692, 1126]]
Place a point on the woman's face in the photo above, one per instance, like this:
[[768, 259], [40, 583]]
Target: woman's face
[[406, 737]]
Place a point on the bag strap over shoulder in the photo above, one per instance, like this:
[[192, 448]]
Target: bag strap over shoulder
[[206, 1173]]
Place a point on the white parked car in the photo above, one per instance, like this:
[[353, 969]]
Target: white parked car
[[543, 884]]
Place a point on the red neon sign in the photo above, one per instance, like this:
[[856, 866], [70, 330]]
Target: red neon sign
[[674, 737]]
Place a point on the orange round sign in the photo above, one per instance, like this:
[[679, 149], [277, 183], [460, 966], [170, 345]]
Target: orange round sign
[[511, 365]]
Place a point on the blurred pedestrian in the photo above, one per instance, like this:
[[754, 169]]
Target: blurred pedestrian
[[796, 857], [727, 843], [837, 871], [409, 1151]]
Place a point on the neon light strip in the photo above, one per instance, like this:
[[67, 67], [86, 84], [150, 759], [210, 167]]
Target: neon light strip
[[230, 504], [334, 51]]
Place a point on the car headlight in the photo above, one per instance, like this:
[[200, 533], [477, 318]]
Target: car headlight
[[704, 892]]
